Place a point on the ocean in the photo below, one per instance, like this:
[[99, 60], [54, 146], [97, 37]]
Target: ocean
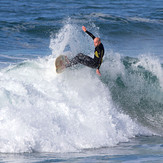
[[77, 116]]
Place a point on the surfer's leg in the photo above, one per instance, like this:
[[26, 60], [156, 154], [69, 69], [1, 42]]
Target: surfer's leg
[[82, 59]]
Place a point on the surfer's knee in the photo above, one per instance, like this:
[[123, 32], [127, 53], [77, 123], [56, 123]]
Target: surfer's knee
[[80, 55]]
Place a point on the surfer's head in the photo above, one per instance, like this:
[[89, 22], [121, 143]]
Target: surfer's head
[[97, 41]]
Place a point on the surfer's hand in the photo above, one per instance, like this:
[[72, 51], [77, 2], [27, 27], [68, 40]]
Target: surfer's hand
[[98, 72], [83, 28]]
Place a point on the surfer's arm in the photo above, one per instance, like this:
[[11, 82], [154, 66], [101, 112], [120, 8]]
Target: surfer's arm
[[89, 33], [99, 65], [98, 68], [101, 54]]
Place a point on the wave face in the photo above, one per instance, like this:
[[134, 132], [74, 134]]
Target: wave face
[[136, 85], [41, 111]]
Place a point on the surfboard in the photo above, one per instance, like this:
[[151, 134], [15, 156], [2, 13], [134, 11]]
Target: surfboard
[[60, 63]]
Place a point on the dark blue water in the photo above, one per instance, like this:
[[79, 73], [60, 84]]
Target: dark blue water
[[128, 27], [77, 116]]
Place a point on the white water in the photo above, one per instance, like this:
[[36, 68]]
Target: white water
[[45, 112], [152, 64]]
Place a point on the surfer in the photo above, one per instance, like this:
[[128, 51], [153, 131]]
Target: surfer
[[88, 61]]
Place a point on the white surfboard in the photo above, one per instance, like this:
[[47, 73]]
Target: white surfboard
[[60, 63]]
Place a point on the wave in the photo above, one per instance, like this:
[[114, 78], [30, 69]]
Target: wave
[[41, 111], [130, 27], [136, 85], [125, 19], [37, 29]]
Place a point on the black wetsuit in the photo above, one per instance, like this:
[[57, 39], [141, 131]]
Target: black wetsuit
[[88, 61]]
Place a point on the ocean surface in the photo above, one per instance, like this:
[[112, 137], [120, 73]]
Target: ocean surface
[[77, 116]]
